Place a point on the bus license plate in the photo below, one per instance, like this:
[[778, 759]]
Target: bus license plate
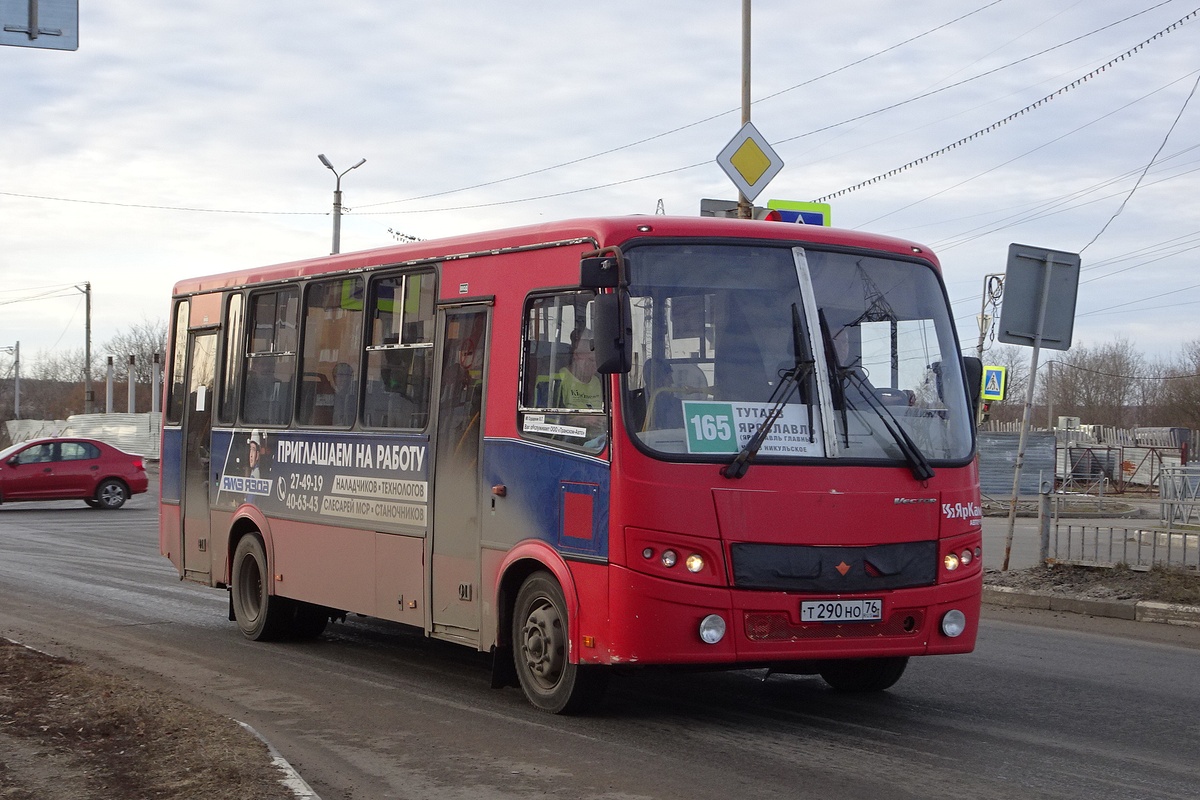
[[841, 610]]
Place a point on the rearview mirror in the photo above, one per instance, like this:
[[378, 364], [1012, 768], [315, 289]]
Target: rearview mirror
[[613, 336]]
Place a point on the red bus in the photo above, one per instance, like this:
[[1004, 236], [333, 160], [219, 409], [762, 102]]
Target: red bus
[[585, 445]]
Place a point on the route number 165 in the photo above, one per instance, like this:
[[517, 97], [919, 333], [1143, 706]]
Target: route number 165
[[712, 427]]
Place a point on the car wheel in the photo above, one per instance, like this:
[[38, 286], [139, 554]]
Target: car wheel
[[540, 651], [260, 615], [92, 502], [111, 494]]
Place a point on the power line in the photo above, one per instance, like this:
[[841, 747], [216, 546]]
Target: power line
[[1137, 183], [1002, 122]]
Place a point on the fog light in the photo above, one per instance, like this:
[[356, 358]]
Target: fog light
[[669, 558], [954, 623], [694, 563], [950, 561], [966, 557], [978, 552], [648, 553], [712, 629]]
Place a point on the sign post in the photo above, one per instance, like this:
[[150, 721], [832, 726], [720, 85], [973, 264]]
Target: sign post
[[1040, 289]]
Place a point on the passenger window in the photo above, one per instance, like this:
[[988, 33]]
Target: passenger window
[[399, 352], [333, 312], [227, 411], [271, 357], [177, 396], [77, 451], [563, 398]]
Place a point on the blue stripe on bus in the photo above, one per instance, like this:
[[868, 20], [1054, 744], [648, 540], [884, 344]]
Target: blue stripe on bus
[[537, 479]]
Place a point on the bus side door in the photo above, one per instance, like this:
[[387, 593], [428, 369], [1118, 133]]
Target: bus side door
[[197, 469], [457, 471]]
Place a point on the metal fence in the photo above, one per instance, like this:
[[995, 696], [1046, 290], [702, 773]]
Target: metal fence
[[1171, 541], [1109, 546]]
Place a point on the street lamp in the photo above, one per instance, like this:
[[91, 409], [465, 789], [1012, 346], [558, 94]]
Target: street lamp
[[337, 201]]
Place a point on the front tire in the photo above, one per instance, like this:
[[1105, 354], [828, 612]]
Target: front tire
[[111, 495], [541, 651], [864, 674], [260, 616]]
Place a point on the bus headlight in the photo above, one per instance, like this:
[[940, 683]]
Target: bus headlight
[[950, 562], [669, 558], [954, 623], [712, 629], [694, 562]]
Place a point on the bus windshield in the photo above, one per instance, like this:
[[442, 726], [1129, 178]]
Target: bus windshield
[[823, 354]]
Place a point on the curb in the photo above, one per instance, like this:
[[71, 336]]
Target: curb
[[1135, 610], [291, 778]]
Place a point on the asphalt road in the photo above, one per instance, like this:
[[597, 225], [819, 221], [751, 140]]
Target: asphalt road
[[1047, 706]]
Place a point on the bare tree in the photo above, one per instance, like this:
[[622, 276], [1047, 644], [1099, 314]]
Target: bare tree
[[142, 340], [1097, 384], [1181, 387]]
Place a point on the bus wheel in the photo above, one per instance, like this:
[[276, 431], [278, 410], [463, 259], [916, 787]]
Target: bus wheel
[[864, 674], [259, 615], [310, 621], [540, 651]]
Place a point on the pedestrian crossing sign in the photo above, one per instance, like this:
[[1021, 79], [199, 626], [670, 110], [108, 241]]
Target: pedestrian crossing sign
[[994, 383]]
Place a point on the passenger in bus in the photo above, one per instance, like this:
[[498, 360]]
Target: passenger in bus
[[262, 390], [344, 394], [579, 385]]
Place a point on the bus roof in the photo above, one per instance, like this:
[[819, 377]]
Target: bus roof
[[603, 231]]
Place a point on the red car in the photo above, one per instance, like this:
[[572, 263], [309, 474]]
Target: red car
[[68, 468]]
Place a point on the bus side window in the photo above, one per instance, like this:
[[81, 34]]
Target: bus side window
[[399, 367], [562, 397], [333, 313], [271, 357]]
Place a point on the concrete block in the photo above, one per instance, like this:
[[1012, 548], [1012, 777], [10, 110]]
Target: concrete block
[[1170, 613]]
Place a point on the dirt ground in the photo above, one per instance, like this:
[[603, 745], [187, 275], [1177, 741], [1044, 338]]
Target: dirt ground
[[69, 732], [1120, 583]]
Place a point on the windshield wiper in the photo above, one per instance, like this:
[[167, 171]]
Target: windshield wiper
[[790, 381], [917, 463]]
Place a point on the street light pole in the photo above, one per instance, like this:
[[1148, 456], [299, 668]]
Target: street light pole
[[337, 201]]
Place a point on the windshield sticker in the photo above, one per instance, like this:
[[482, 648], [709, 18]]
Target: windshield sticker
[[536, 423], [714, 427]]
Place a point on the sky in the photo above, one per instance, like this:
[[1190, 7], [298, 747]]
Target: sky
[[181, 139]]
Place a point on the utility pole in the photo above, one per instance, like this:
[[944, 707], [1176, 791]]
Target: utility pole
[[88, 396], [16, 353], [337, 199], [745, 209]]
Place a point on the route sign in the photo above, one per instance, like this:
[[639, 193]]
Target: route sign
[[48, 24], [749, 161]]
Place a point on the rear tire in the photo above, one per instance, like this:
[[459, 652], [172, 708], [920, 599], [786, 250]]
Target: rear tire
[[541, 651], [309, 621], [110, 495], [260, 615], [864, 674]]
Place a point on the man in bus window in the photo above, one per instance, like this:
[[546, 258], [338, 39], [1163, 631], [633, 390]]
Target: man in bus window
[[343, 394], [578, 384]]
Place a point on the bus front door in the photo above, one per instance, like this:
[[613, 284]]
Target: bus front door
[[197, 433], [455, 579]]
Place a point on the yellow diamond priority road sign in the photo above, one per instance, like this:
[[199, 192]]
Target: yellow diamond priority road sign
[[749, 161]]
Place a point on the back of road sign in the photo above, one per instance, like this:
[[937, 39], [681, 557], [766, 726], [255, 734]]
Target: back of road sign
[[1040, 287]]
